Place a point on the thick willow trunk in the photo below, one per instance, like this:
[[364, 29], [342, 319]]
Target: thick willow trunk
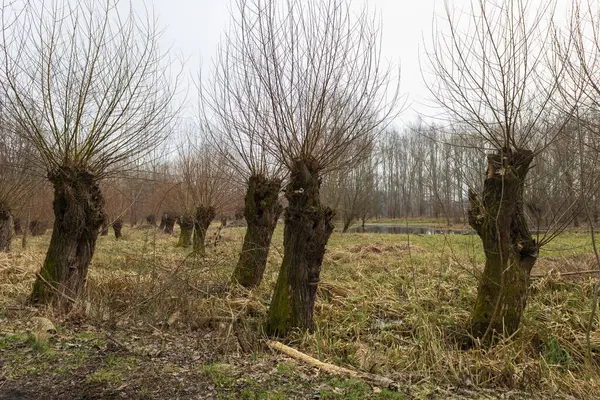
[[6, 227], [262, 210], [168, 222], [186, 223], [104, 228], [308, 226], [510, 250], [117, 226], [78, 215], [202, 220], [151, 220], [18, 227], [37, 227]]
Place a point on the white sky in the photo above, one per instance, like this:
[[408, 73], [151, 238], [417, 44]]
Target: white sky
[[193, 29]]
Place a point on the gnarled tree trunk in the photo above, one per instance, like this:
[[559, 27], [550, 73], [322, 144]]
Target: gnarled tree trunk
[[186, 223], [117, 226], [168, 222], [6, 227], [17, 225], [202, 220], [308, 226], [78, 216], [151, 219], [104, 228], [262, 210], [38, 227], [510, 251]]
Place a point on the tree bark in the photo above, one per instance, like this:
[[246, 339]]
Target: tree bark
[[168, 222], [510, 250], [6, 227], [133, 216], [308, 226], [261, 209], [104, 228], [78, 215], [151, 220], [37, 227], [348, 219], [204, 216], [117, 226], [18, 226], [25, 230], [186, 223]]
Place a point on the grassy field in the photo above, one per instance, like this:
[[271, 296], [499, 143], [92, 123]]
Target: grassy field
[[158, 322]]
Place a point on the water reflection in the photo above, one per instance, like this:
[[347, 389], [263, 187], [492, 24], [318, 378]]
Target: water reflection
[[414, 230]]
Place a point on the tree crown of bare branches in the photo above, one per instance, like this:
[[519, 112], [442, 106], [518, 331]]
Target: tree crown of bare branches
[[86, 82], [498, 75], [300, 79], [206, 177], [15, 177]]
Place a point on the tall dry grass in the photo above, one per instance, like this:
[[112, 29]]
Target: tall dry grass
[[383, 306]]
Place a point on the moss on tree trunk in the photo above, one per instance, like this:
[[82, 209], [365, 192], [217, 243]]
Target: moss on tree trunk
[[78, 215], [186, 223], [203, 218], [261, 210], [6, 227], [510, 250], [308, 226]]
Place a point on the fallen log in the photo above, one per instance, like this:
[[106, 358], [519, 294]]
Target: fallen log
[[374, 380], [571, 273]]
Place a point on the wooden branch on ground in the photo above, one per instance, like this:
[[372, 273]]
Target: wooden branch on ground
[[590, 271], [375, 380]]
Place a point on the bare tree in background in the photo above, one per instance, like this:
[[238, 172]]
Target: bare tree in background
[[350, 190], [235, 105], [206, 186], [494, 76], [317, 85], [14, 154], [584, 73], [87, 87]]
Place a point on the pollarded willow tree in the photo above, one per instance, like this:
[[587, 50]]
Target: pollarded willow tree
[[495, 72], [317, 86], [235, 105], [206, 187], [351, 190], [14, 177], [87, 86]]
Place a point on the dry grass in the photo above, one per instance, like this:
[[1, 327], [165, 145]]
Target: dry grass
[[384, 306]]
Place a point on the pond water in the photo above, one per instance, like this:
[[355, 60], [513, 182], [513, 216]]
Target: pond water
[[413, 230]]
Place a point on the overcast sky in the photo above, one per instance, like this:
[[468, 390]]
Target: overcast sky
[[193, 29]]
